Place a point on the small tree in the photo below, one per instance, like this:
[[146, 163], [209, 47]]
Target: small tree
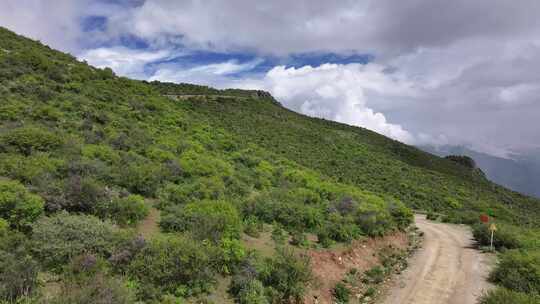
[[17, 205], [57, 239], [211, 220], [288, 274], [18, 274], [173, 264]]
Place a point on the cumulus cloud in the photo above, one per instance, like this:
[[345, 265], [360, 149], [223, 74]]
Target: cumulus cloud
[[338, 92], [124, 61], [216, 74], [55, 24], [373, 26]]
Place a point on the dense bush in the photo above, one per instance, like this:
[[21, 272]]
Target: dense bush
[[339, 228], [205, 188], [505, 296], [127, 210], [373, 222], [17, 205], [173, 264], [252, 293], [506, 237], [4, 228], [212, 220], [286, 275], [402, 216], [519, 271], [86, 281], [27, 140], [280, 279], [82, 194], [18, 274], [140, 176], [59, 238]]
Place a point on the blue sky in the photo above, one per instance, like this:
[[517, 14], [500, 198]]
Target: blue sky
[[189, 58], [380, 64]]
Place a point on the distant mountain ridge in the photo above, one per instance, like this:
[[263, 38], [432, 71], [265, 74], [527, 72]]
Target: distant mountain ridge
[[521, 174]]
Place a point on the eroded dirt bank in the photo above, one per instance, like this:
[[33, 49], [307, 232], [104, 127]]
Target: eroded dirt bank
[[331, 266]]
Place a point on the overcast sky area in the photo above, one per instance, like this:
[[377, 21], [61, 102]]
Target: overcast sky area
[[435, 72]]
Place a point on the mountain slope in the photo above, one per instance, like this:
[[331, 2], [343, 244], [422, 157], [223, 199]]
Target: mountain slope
[[521, 174], [86, 155], [361, 157]]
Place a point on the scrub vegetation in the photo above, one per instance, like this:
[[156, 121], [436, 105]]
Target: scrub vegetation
[[85, 156]]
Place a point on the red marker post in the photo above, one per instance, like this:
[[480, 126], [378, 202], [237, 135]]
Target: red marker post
[[484, 218]]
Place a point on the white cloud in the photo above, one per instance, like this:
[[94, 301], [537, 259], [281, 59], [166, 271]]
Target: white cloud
[[215, 74], [373, 26], [55, 24], [124, 61], [338, 92]]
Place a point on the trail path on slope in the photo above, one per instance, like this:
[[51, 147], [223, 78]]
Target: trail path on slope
[[446, 270]]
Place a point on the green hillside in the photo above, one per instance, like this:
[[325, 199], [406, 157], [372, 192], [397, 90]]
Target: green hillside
[[87, 158], [361, 157], [90, 161], [356, 156]]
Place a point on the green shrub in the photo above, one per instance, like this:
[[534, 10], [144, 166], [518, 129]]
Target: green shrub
[[59, 238], [141, 176], [231, 253], [403, 216], [252, 293], [4, 228], [17, 205], [252, 226], [27, 140], [83, 194], [18, 274], [212, 220], [505, 296], [299, 238], [375, 275], [341, 293], [432, 216], [173, 264], [519, 271], [373, 222], [323, 238], [127, 210], [506, 236], [370, 292], [197, 164], [205, 188], [287, 274], [101, 152], [279, 235], [29, 169], [339, 228], [86, 281]]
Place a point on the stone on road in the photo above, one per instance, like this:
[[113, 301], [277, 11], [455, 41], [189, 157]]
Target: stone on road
[[446, 270]]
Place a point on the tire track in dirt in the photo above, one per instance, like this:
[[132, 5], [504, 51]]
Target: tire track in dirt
[[446, 270]]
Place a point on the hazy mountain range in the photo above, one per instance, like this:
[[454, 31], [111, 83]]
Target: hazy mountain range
[[521, 173]]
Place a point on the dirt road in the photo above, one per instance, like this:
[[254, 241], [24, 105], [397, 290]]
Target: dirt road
[[446, 270]]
